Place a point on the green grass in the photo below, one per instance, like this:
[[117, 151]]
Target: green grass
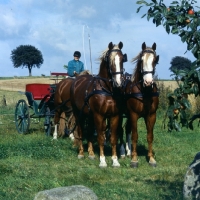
[[33, 162]]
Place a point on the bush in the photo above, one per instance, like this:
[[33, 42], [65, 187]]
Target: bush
[[163, 91]]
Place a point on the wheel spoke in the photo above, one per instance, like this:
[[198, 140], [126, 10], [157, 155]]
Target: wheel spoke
[[22, 117]]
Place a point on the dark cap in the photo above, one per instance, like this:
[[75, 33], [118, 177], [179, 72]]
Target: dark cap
[[77, 54]]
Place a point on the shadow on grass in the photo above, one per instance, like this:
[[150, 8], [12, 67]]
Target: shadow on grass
[[167, 189], [141, 150]]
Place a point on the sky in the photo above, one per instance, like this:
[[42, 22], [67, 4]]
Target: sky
[[59, 27]]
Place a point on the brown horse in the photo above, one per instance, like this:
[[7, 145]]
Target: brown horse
[[62, 103], [142, 99], [97, 98]]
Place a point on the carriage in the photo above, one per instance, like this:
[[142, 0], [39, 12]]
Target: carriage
[[40, 101], [39, 104]]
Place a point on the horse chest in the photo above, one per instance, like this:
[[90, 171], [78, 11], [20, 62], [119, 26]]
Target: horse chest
[[105, 106], [144, 106]]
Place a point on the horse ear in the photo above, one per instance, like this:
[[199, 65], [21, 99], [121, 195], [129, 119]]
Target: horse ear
[[120, 45], [110, 46], [143, 46], [154, 46], [157, 59]]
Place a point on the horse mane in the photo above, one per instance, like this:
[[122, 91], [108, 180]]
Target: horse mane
[[137, 70], [85, 72], [103, 55]]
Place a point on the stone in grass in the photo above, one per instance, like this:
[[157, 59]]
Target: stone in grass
[[191, 187], [74, 192]]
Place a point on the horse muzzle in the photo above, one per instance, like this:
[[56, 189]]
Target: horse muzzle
[[147, 83], [147, 79]]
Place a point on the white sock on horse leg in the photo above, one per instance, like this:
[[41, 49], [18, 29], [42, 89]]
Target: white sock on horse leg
[[55, 134], [102, 161]]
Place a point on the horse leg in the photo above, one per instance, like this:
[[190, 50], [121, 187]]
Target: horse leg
[[121, 140], [80, 127], [56, 120], [70, 126], [134, 158], [128, 137], [114, 121], [90, 137], [100, 125], [61, 129], [150, 121]]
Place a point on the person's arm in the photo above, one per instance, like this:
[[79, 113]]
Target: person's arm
[[70, 69]]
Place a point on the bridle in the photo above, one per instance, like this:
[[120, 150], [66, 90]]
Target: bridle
[[155, 62], [111, 73]]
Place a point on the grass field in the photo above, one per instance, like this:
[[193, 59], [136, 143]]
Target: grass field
[[33, 162]]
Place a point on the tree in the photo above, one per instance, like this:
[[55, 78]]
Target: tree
[[180, 63], [26, 56], [179, 18]]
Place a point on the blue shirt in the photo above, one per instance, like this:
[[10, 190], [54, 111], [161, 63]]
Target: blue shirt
[[75, 65]]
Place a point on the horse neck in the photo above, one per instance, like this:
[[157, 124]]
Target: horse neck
[[103, 70], [138, 75]]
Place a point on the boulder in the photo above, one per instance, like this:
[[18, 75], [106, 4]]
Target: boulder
[[191, 187], [74, 192]]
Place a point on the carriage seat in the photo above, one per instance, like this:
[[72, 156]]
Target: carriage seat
[[37, 91]]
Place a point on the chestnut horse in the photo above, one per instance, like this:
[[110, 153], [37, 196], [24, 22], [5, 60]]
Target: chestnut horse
[[97, 98], [142, 100], [62, 104]]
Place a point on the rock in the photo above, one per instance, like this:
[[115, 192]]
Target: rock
[[191, 187], [75, 192]]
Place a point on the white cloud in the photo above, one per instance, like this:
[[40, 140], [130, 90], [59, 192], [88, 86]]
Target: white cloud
[[86, 12]]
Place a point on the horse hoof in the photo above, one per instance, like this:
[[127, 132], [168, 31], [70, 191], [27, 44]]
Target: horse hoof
[[116, 165], [128, 155], [134, 164], [152, 164], [91, 157], [80, 156], [102, 165]]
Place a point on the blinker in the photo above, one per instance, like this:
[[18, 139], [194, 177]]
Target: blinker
[[125, 59]]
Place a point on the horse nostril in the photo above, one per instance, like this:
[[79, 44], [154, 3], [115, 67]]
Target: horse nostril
[[148, 83]]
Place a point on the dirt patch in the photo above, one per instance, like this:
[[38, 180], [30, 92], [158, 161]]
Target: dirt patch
[[20, 84]]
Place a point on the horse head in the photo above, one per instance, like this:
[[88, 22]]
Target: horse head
[[115, 59], [148, 60]]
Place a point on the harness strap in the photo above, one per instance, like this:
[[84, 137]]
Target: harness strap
[[141, 95], [104, 92]]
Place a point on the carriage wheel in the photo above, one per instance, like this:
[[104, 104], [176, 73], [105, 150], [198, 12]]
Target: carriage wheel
[[22, 117], [47, 122]]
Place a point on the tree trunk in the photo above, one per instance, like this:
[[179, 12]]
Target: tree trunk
[[29, 69]]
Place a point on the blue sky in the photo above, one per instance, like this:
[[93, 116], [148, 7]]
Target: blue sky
[[59, 27]]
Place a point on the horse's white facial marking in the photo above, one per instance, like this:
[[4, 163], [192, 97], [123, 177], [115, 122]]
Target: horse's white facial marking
[[147, 66], [117, 64]]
